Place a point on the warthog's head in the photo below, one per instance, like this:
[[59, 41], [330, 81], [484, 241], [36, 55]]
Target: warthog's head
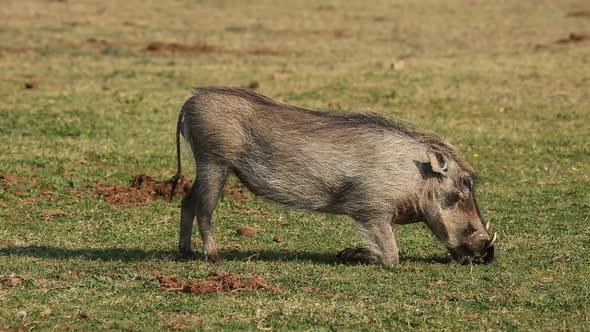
[[450, 210]]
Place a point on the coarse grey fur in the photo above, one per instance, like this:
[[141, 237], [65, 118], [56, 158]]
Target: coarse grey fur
[[376, 170]]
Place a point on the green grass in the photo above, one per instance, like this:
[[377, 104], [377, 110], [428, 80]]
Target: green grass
[[488, 76]]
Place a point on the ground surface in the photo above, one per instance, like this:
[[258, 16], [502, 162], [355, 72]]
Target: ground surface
[[490, 76]]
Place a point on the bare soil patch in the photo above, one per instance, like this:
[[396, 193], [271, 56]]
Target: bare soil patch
[[161, 47], [238, 192], [11, 281], [574, 37], [8, 179], [31, 84], [216, 282], [98, 41], [247, 231], [165, 47], [142, 189], [254, 85], [579, 13], [145, 189], [18, 51]]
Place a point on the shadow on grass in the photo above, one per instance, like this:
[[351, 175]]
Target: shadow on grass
[[132, 255]]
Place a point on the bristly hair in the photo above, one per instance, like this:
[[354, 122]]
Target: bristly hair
[[368, 120]]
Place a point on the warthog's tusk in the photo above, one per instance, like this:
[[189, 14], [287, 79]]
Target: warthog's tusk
[[492, 240], [487, 225]]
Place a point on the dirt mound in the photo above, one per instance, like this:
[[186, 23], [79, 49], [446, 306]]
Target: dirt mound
[[254, 85], [580, 13], [237, 192], [31, 84], [11, 280], [142, 189], [574, 37], [247, 231], [7, 179], [160, 46], [216, 282]]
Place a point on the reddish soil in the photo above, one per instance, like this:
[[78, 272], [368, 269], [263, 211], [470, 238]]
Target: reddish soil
[[254, 85], [11, 281], [217, 282], [31, 84], [145, 189], [574, 37], [246, 231], [161, 47], [142, 189], [237, 192], [18, 51], [83, 315], [7, 179], [279, 239], [97, 41], [580, 13]]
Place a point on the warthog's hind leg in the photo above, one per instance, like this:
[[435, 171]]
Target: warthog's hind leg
[[187, 217], [201, 201], [210, 180]]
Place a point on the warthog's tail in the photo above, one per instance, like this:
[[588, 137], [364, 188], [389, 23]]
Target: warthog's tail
[[176, 176]]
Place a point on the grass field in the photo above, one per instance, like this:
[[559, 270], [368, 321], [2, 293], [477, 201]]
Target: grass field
[[489, 76]]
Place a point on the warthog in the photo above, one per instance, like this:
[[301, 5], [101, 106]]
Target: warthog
[[375, 170]]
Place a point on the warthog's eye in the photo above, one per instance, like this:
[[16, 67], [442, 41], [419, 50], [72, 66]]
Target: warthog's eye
[[452, 198]]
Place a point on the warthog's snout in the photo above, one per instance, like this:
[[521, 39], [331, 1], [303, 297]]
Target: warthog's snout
[[479, 248]]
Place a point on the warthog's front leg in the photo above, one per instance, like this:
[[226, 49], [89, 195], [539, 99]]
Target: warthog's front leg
[[381, 247]]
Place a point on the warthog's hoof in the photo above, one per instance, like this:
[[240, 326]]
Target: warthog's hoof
[[213, 258], [187, 254], [357, 256]]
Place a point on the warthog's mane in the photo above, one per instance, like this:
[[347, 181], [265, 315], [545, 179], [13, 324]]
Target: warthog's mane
[[353, 120]]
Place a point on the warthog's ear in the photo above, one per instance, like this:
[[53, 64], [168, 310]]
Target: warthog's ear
[[438, 162]]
